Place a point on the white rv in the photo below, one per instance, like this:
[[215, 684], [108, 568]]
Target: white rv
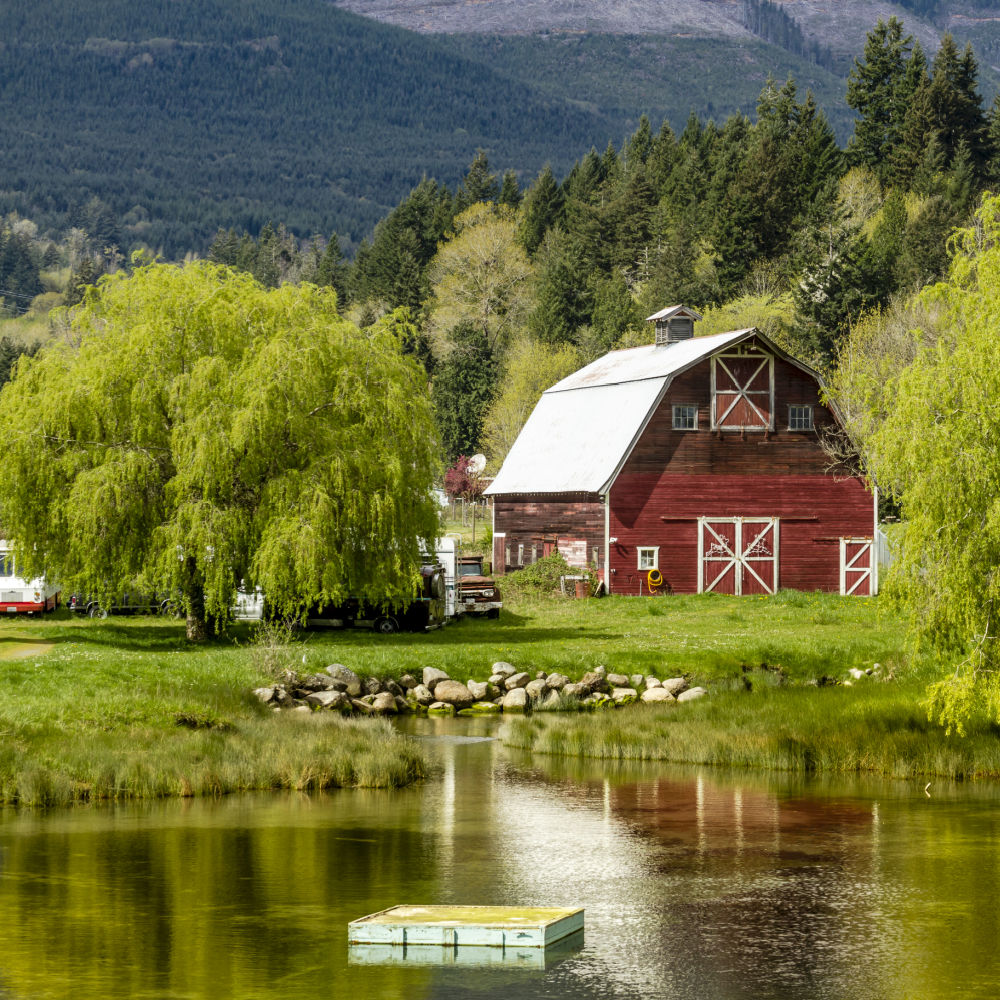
[[20, 595]]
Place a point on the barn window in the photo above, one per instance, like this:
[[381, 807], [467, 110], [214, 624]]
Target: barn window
[[534, 553], [520, 555], [800, 418], [649, 557], [506, 555], [685, 418]]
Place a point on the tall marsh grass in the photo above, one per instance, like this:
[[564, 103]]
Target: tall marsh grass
[[879, 729]]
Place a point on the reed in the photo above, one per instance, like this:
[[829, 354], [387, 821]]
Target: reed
[[878, 729]]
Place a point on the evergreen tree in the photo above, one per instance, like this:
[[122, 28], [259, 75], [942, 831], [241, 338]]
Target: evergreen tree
[[876, 89], [542, 209], [562, 299], [480, 184], [957, 106], [510, 191], [463, 387], [333, 270]]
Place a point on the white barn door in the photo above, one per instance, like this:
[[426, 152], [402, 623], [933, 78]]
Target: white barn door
[[737, 555], [857, 566]]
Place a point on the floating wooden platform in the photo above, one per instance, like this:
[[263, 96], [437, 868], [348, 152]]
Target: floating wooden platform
[[455, 926]]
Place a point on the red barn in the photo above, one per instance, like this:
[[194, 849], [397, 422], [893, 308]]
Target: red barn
[[690, 465]]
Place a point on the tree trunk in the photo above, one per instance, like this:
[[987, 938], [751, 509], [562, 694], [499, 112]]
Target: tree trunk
[[197, 626]]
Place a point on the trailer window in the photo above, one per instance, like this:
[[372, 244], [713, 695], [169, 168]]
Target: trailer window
[[6, 564]]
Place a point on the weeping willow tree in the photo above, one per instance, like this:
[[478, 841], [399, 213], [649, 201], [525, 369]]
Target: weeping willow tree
[[938, 450], [197, 430]]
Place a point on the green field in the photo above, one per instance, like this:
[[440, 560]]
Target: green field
[[127, 708]]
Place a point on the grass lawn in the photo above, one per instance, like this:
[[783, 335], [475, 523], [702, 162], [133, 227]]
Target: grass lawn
[[126, 707]]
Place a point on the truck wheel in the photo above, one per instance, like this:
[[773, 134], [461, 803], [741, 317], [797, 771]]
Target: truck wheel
[[386, 625], [96, 611]]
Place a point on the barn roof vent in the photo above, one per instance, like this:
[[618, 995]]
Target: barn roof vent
[[673, 324]]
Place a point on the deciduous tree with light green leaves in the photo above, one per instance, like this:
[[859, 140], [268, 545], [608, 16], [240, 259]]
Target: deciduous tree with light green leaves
[[198, 430], [938, 450]]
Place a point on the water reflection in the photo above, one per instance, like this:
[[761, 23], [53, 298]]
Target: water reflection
[[695, 884]]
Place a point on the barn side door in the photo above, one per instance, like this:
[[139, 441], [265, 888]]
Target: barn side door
[[857, 557], [737, 555]]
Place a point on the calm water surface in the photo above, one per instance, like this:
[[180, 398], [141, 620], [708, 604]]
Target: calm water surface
[[696, 883]]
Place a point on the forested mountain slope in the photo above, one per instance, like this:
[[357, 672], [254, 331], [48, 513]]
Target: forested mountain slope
[[186, 117]]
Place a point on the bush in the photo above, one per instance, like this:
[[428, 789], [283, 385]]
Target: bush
[[542, 578]]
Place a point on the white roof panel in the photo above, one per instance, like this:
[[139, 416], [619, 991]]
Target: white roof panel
[[583, 426]]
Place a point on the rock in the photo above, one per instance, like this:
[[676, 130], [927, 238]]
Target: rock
[[554, 701], [574, 691], [362, 706], [593, 681], [556, 682], [691, 694], [479, 690], [481, 708], [516, 681], [333, 700], [515, 700], [317, 682], [675, 685], [433, 676], [493, 691], [265, 694], [384, 703], [617, 680], [876, 667], [403, 707], [624, 695], [848, 684], [502, 669], [422, 694], [302, 708], [597, 700], [392, 687], [368, 699], [637, 681], [341, 673], [540, 676], [653, 682], [496, 680], [536, 688], [454, 693], [856, 674], [371, 685], [602, 671], [441, 708], [656, 694], [408, 681]]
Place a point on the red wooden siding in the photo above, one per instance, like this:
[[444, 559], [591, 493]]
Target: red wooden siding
[[814, 512], [571, 523]]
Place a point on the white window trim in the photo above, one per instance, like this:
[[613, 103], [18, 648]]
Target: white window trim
[[766, 359], [801, 406], [689, 406], [655, 549]]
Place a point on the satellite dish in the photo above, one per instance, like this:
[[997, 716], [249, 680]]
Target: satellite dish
[[476, 464]]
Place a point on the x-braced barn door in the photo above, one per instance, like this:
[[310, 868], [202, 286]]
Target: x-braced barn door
[[737, 555], [857, 566]]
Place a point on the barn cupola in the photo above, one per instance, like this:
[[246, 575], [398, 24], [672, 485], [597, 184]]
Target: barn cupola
[[673, 324]]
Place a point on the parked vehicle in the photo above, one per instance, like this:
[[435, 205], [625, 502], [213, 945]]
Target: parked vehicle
[[477, 593], [18, 595], [129, 603], [426, 611]]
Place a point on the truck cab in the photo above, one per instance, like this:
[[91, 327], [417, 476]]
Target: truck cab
[[475, 593]]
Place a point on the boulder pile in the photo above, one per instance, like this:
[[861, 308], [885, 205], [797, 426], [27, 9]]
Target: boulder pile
[[340, 689]]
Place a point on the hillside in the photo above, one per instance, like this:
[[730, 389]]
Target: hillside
[[249, 111], [178, 119]]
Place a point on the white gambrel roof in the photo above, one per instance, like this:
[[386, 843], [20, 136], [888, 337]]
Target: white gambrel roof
[[584, 427]]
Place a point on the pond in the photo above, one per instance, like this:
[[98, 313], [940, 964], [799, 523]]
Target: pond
[[696, 884]]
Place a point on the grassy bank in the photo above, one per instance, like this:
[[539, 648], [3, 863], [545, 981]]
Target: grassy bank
[[125, 708], [879, 729]]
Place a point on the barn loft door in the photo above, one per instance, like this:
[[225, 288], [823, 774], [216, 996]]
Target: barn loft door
[[738, 555], [857, 566], [743, 390]]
